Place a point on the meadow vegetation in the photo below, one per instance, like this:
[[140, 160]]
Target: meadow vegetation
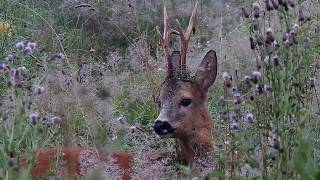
[[86, 73]]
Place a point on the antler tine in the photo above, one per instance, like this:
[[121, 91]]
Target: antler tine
[[165, 39], [185, 37]]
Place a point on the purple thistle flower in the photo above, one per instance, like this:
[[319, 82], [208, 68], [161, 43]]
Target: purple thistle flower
[[3, 67], [61, 56], [38, 90], [285, 36], [234, 126], [221, 100], [234, 117], [9, 57], [33, 117], [20, 45], [237, 98], [249, 117], [255, 76], [291, 3], [28, 50], [32, 45], [15, 77]]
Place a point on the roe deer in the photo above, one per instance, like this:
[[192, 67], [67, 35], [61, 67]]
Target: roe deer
[[183, 111]]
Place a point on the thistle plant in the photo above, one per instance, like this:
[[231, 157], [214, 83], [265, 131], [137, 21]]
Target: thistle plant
[[276, 99]]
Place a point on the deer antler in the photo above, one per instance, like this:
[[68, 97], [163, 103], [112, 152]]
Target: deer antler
[[165, 41], [185, 38]]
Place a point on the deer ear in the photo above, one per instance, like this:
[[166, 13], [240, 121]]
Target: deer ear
[[207, 71], [175, 60]]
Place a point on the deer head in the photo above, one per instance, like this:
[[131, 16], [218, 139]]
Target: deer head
[[183, 111]]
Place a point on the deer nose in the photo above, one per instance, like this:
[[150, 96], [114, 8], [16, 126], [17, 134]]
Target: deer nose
[[163, 128]]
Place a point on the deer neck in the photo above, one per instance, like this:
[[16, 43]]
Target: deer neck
[[198, 144]]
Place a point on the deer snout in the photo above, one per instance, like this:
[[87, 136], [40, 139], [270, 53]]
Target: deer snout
[[163, 128]]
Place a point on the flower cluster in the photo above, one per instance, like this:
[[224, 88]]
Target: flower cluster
[[20, 78]]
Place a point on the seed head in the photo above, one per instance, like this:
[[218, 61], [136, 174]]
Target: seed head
[[121, 120], [132, 129], [269, 6], [295, 28], [20, 45], [259, 89], [293, 36], [284, 4], [267, 88], [252, 44], [274, 142], [247, 79], [255, 24], [301, 16], [256, 10], [56, 120], [245, 14], [60, 56], [259, 39], [275, 4], [224, 115], [312, 82], [275, 45], [269, 36]]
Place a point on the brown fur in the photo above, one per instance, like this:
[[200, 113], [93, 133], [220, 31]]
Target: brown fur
[[183, 112], [194, 126]]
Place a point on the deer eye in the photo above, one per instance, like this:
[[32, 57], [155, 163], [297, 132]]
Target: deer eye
[[185, 102]]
